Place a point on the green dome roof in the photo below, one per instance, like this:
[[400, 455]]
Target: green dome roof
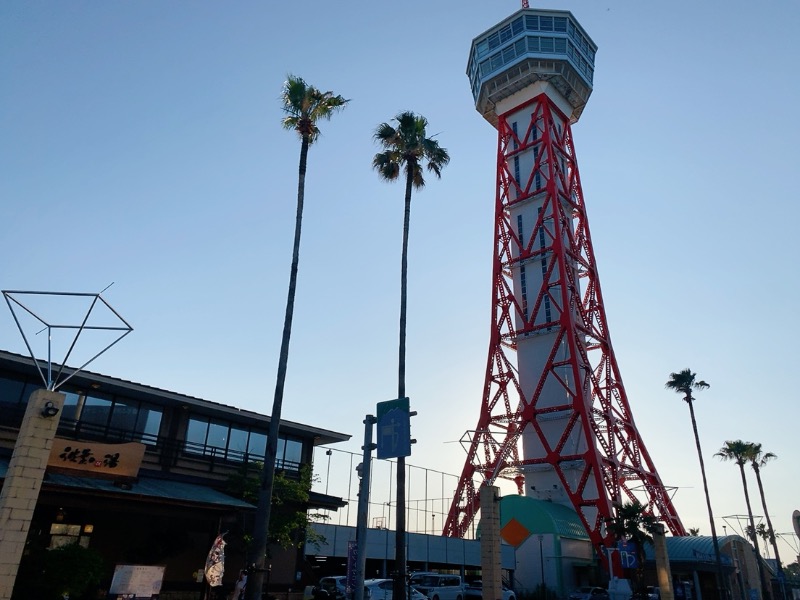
[[521, 517]]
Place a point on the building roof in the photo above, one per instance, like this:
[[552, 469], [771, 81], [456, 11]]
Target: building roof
[[145, 488], [20, 363], [540, 516], [693, 549]]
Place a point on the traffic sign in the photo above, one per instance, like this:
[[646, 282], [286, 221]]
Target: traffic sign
[[394, 428]]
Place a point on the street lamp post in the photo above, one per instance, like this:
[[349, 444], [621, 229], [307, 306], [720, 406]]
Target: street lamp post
[[541, 559]]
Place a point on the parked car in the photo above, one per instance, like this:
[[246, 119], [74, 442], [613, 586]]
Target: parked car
[[589, 593], [474, 591], [437, 586], [335, 586], [381, 589]]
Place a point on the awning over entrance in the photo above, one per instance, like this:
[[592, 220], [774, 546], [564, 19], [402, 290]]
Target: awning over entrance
[[146, 488]]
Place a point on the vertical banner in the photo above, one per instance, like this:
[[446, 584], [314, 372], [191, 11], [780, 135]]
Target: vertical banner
[[352, 557], [215, 562]]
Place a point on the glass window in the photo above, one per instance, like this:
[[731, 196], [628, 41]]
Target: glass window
[[257, 446], [217, 436], [280, 450], [196, 435], [237, 446], [124, 415], [561, 45], [149, 421], [505, 34], [546, 23], [494, 41], [532, 22], [71, 403], [516, 26], [10, 391], [96, 411], [560, 24], [294, 451], [546, 44]]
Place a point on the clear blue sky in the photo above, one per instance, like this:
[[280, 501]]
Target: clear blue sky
[[141, 145]]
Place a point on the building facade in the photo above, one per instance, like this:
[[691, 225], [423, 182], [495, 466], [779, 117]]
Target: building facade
[[182, 493]]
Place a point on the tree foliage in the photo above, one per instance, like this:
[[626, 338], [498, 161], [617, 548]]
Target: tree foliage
[[290, 522], [633, 522], [684, 382], [49, 574]]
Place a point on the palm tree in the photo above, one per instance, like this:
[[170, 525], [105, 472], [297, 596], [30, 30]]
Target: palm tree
[[406, 148], [683, 382], [634, 523], [303, 105], [740, 452], [759, 459]]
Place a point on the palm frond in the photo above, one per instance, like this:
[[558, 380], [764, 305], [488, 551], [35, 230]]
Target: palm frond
[[304, 105], [406, 143], [387, 165]]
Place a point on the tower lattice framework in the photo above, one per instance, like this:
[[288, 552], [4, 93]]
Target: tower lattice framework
[[571, 405]]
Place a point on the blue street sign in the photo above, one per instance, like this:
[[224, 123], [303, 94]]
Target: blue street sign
[[627, 554], [394, 428]]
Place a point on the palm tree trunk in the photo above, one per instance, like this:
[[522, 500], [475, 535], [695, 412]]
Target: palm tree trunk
[[772, 540], [721, 584], [263, 511], [762, 576], [399, 587]]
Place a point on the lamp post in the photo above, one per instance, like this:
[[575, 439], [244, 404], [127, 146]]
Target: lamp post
[[541, 559]]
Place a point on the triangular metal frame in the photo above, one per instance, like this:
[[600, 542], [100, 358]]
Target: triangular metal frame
[[54, 382]]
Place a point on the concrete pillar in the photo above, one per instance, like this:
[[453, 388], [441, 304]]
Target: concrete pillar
[[491, 565], [662, 564], [24, 480]]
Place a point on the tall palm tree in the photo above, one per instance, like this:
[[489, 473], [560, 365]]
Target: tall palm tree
[[758, 459], [684, 382], [303, 105], [407, 149], [740, 452]]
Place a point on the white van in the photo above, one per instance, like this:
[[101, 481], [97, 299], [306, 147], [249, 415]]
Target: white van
[[439, 587]]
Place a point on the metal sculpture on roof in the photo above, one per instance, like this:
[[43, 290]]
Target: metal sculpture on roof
[[91, 311]]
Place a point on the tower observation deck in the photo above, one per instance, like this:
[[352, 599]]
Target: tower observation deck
[[532, 47], [554, 416]]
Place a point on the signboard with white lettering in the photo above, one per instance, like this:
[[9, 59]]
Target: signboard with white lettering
[[627, 554]]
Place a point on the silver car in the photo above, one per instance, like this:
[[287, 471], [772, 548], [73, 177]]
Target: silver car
[[381, 589], [589, 593]]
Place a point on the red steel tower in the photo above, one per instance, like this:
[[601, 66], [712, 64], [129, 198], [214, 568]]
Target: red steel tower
[[554, 417]]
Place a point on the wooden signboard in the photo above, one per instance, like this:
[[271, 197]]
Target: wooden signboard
[[110, 461]]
